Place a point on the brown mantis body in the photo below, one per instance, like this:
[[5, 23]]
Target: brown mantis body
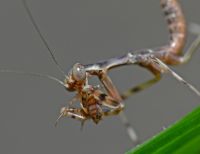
[[154, 60], [90, 97], [96, 103]]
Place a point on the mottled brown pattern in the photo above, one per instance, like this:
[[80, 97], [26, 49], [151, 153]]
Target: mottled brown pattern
[[176, 24]]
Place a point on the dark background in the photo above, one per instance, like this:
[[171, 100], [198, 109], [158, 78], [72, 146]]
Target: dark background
[[85, 31]]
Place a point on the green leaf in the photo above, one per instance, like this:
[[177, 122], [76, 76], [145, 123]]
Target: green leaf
[[181, 138]]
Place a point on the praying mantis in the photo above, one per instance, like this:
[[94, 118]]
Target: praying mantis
[[96, 102]]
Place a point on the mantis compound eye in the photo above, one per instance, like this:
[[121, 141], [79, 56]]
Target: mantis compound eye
[[78, 72]]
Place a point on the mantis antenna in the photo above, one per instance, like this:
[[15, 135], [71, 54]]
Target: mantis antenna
[[44, 40], [33, 74]]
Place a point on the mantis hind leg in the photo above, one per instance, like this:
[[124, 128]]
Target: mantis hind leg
[[195, 29], [115, 109], [141, 87]]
